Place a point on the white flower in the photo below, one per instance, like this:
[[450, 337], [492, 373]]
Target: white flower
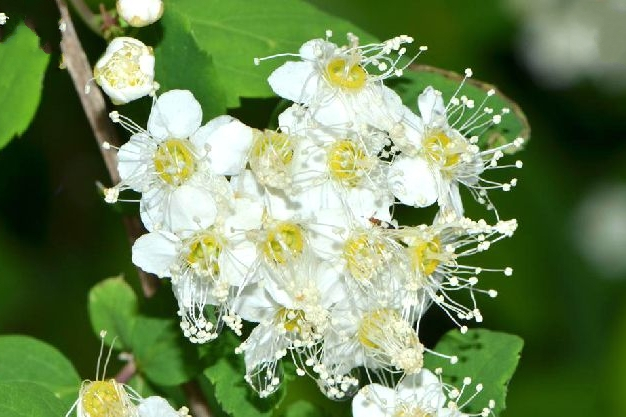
[[433, 257], [440, 152], [381, 339], [342, 85], [179, 166], [335, 169], [292, 308], [206, 264], [126, 70], [139, 13], [3, 18], [420, 395]]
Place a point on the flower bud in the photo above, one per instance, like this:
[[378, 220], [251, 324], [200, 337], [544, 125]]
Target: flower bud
[[126, 70], [140, 13]]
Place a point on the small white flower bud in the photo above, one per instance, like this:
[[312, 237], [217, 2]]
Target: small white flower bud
[[126, 70], [140, 13]]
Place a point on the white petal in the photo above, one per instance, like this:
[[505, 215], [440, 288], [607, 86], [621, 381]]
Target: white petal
[[371, 405], [295, 81], [130, 160], [184, 209], [155, 253], [254, 304], [176, 114], [412, 182], [229, 142], [432, 109], [156, 407]]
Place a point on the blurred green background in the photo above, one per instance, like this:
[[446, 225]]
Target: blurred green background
[[566, 297]]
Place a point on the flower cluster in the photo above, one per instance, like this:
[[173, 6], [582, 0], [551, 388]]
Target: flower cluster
[[293, 229]]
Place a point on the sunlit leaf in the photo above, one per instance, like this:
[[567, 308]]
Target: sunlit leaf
[[113, 307], [234, 32], [22, 68], [25, 359], [488, 357], [27, 399]]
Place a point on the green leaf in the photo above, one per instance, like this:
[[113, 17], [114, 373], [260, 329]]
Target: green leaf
[[513, 124], [25, 359], [161, 352], [234, 32], [303, 408], [26, 399], [226, 373], [22, 65], [488, 357], [113, 307], [181, 64]]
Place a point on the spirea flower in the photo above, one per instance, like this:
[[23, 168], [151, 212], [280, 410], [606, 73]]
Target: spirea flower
[[343, 85], [126, 70], [179, 165], [3, 18], [139, 13], [443, 152], [419, 395]]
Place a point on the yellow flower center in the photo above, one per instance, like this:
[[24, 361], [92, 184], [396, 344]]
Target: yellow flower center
[[284, 241], [441, 149], [291, 319], [174, 162], [364, 255], [372, 327], [426, 256], [408, 411], [204, 253], [274, 146], [343, 74], [103, 399], [347, 162]]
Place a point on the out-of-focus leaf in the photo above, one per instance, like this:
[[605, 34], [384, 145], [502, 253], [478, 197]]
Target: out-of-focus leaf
[[113, 308], [161, 352], [182, 64], [488, 357], [27, 399], [22, 68], [303, 409], [513, 125], [234, 32], [25, 359]]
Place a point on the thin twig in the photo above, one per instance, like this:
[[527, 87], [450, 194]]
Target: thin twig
[[86, 15], [127, 372], [195, 400], [104, 131], [102, 127]]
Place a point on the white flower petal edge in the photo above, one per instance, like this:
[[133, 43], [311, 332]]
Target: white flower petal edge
[[412, 182], [155, 253], [228, 142], [156, 407], [176, 114]]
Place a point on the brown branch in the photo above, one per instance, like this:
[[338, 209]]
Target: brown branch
[[127, 372], [102, 127], [104, 131], [86, 15], [196, 400]]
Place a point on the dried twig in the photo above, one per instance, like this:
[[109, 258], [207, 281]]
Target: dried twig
[[102, 127]]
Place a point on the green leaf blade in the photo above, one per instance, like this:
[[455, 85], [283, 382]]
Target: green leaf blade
[[161, 352], [22, 65], [25, 359], [235, 32], [25, 399], [489, 358], [113, 307]]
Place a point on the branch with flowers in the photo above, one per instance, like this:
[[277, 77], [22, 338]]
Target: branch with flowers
[[303, 253]]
